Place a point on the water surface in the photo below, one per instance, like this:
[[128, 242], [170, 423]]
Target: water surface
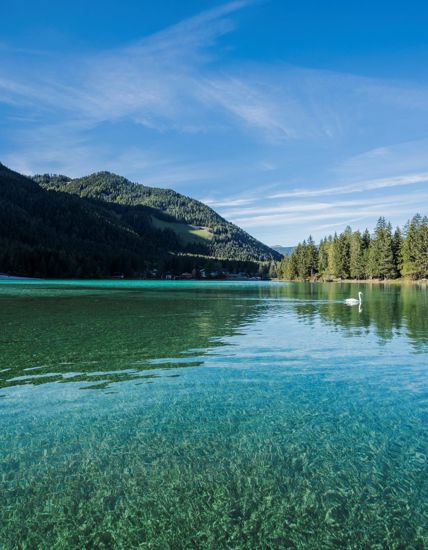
[[212, 415]]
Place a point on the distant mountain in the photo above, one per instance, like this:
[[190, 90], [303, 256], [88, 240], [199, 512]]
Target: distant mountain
[[198, 228], [100, 226], [284, 250]]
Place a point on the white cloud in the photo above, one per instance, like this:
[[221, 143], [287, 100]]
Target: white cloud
[[168, 82], [169, 111], [368, 185], [227, 202]]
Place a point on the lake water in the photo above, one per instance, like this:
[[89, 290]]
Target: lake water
[[169, 415]]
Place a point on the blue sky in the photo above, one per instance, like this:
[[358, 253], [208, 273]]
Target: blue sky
[[289, 118]]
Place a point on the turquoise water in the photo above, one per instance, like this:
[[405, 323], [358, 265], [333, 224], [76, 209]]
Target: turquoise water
[[169, 415]]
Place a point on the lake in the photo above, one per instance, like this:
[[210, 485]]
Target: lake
[[213, 415]]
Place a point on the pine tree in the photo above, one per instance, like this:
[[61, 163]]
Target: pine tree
[[422, 249], [303, 260], [397, 243], [292, 271], [356, 264], [344, 254], [409, 248], [323, 256], [381, 255], [312, 257], [333, 256], [366, 239]]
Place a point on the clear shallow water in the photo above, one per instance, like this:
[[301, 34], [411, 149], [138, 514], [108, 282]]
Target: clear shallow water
[[212, 415]]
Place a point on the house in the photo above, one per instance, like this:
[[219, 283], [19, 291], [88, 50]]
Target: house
[[185, 275]]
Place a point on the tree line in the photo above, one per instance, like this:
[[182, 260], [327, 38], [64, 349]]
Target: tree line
[[385, 254]]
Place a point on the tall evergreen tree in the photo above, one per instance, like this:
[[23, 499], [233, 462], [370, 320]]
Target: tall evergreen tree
[[289, 267], [422, 249], [344, 254], [397, 243], [356, 264], [333, 257], [409, 248], [323, 256], [366, 239], [303, 260], [381, 255], [312, 257]]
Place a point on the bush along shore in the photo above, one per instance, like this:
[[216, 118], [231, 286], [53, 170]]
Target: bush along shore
[[385, 255]]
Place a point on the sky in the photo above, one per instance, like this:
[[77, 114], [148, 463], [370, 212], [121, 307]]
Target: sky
[[288, 118]]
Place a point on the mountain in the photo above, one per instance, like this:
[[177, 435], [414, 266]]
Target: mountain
[[198, 228], [48, 230], [283, 250], [45, 233]]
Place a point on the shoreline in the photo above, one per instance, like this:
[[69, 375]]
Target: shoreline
[[5, 277], [400, 281]]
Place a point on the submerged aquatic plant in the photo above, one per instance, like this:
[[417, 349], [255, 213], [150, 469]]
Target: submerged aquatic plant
[[281, 434]]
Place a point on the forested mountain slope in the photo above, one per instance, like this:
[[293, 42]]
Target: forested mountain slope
[[196, 225], [46, 233], [57, 227]]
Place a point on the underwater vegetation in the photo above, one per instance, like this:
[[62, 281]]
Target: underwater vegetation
[[218, 417]]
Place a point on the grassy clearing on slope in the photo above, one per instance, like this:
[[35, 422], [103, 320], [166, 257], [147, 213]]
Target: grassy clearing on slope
[[188, 233]]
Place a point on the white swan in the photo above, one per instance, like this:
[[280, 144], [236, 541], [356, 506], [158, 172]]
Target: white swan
[[354, 301]]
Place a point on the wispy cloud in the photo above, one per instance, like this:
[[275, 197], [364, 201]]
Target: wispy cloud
[[151, 83], [227, 202], [150, 80], [318, 217], [170, 82], [270, 145], [303, 208], [249, 104], [368, 185]]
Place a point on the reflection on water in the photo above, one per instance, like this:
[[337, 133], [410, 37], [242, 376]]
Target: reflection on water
[[99, 335], [297, 422], [387, 309]]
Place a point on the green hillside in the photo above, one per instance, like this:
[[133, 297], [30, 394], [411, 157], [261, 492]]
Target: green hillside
[[46, 233], [199, 228], [51, 226]]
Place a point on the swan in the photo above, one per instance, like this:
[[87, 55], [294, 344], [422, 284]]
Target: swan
[[354, 301]]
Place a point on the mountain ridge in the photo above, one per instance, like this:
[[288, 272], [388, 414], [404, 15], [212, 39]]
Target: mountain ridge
[[283, 250], [47, 228], [219, 237]]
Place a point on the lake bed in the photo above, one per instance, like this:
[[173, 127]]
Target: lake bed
[[145, 414]]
